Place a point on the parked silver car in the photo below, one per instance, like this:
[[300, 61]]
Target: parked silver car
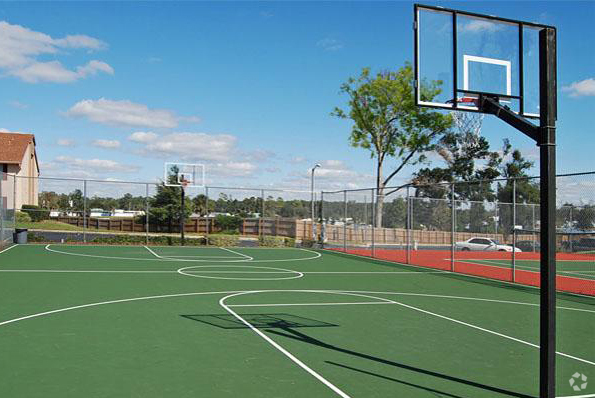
[[484, 244]]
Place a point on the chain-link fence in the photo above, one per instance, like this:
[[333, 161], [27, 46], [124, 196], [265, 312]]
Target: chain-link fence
[[118, 212], [488, 229]]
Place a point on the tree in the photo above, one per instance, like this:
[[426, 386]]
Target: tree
[[76, 197], [518, 189], [461, 151], [199, 204], [388, 124], [166, 205]]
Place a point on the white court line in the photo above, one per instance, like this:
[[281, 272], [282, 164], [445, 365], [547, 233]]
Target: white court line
[[324, 381], [195, 271], [199, 256], [499, 264], [230, 293], [76, 307], [89, 271], [316, 255], [150, 251], [234, 252], [308, 304], [8, 248], [579, 396]]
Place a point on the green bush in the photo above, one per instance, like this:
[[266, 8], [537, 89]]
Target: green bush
[[228, 223], [223, 240], [153, 240], [276, 241], [32, 237], [23, 217], [271, 241], [36, 213], [308, 242], [229, 232]]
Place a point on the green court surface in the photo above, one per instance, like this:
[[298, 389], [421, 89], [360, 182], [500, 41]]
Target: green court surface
[[106, 321]]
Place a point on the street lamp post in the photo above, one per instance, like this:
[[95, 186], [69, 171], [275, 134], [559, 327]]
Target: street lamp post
[[317, 165]]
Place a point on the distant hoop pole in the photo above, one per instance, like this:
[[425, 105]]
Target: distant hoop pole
[[184, 184]]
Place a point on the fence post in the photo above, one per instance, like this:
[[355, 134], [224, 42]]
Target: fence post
[[373, 202], [14, 200], [207, 219], [84, 211], [408, 226], [513, 229], [261, 220], [452, 227], [345, 221], [322, 221], [146, 214]]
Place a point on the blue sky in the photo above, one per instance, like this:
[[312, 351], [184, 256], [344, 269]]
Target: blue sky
[[114, 90]]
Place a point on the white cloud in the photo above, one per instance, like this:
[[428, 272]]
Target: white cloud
[[218, 152], [108, 144], [272, 169], [66, 142], [480, 25], [94, 165], [333, 174], [141, 136], [297, 160], [329, 44], [3, 130], [231, 169], [582, 88], [20, 48], [53, 71], [18, 105], [124, 113], [191, 146]]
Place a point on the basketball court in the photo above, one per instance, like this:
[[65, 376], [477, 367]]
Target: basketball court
[[194, 321]]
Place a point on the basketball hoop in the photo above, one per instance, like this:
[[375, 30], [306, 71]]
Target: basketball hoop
[[468, 123]]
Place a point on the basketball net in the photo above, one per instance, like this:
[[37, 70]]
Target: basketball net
[[468, 123]]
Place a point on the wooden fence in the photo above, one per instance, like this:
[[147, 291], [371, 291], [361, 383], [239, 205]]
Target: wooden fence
[[249, 226], [289, 227]]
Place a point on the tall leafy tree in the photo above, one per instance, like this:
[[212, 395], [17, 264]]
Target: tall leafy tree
[[387, 123], [166, 206]]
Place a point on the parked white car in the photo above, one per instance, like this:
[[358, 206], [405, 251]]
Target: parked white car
[[484, 244]]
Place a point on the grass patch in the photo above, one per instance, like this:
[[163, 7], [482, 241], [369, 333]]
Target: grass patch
[[48, 225]]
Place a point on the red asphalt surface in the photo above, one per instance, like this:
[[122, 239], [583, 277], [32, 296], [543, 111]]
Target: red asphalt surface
[[440, 259]]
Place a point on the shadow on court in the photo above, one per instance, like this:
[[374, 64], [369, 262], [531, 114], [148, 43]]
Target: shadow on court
[[259, 321], [295, 335]]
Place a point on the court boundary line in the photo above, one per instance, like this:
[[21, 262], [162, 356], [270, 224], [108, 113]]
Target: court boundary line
[[495, 263], [238, 253], [470, 325], [8, 248], [150, 251], [296, 274], [317, 255], [277, 346], [522, 268]]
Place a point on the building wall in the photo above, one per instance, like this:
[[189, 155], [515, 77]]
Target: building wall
[[27, 185]]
